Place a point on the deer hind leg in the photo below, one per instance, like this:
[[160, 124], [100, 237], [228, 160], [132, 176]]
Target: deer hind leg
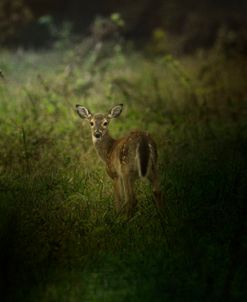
[[118, 190], [130, 199]]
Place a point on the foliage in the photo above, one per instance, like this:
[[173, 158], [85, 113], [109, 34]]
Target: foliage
[[13, 15], [60, 237]]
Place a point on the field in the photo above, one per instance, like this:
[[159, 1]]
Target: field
[[60, 237]]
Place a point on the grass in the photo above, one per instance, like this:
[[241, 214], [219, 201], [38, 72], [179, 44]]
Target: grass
[[60, 237]]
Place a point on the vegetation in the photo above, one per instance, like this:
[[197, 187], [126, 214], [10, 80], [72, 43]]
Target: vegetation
[[60, 237]]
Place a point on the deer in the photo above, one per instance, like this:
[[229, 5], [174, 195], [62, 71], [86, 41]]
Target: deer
[[127, 159]]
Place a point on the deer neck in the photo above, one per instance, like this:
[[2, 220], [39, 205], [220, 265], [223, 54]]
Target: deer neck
[[104, 146]]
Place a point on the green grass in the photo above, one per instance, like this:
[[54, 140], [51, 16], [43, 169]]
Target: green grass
[[60, 237]]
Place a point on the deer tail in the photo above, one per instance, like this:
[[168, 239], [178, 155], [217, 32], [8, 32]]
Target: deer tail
[[143, 156]]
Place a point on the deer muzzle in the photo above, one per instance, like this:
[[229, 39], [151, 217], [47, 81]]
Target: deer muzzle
[[98, 134]]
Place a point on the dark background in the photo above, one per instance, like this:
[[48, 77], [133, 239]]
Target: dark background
[[197, 21]]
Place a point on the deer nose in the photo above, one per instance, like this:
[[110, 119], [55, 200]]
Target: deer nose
[[97, 134]]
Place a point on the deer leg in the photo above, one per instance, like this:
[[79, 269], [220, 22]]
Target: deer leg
[[118, 190], [130, 199]]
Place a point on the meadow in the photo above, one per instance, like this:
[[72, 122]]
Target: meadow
[[61, 239]]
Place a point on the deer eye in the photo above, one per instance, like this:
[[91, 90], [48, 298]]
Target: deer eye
[[105, 123], [92, 123]]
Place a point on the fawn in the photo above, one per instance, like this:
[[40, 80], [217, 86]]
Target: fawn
[[127, 159]]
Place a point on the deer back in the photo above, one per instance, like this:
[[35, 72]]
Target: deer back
[[132, 155]]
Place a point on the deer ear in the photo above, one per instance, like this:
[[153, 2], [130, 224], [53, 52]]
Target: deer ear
[[115, 111], [83, 112]]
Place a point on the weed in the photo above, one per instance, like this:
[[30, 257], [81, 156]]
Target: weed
[[60, 238]]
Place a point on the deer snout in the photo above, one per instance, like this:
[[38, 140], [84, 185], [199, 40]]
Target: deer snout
[[97, 134]]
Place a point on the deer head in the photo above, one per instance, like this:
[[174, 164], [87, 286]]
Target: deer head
[[99, 122]]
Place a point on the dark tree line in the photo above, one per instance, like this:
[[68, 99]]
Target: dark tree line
[[197, 20]]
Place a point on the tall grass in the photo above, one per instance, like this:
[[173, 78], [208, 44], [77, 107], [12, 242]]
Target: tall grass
[[60, 237]]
